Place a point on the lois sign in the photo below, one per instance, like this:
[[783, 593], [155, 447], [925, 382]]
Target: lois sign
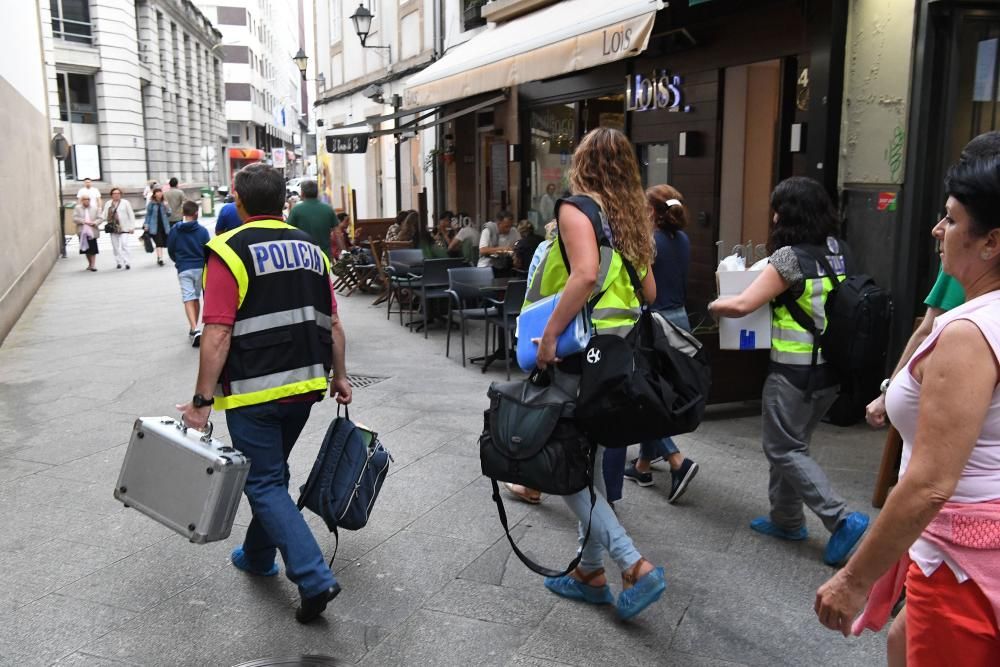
[[657, 91]]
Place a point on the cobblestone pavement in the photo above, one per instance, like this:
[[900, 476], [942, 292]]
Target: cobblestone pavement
[[431, 580]]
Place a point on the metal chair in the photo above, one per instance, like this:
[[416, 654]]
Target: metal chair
[[466, 299], [505, 318], [434, 284], [403, 272]]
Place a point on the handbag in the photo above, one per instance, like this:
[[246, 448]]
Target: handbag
[[531, 437], [347, 476], [112, 226], [650, 384], [147, 242]]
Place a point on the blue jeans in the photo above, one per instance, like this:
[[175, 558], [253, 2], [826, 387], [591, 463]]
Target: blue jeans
[[606, 533], [665, 447], [266, 433]]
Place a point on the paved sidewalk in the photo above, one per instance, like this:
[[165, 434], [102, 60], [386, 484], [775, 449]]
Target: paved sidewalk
[[431, 581]]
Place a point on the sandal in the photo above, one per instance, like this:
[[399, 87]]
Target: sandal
[[639, 592], [521, 493], [570, 587]]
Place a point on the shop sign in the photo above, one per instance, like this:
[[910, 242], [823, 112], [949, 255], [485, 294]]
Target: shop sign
[[657, 91], [886, 201], [347, 143]]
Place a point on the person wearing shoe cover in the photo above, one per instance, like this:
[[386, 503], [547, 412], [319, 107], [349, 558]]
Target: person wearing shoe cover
[[939, 531], [157, 222], [270, 339], [797, 391], [670, 271], [603, 168], [186, 246]]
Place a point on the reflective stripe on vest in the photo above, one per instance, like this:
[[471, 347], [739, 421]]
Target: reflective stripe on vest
[[616, 312], [790, 343], [285, 318]]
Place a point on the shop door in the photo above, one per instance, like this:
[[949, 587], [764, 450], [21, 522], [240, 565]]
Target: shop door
[[750, 144]]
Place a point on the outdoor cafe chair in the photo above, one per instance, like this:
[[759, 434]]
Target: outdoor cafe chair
[[504, 318], [403, 272], [434, 284], [466, 298]]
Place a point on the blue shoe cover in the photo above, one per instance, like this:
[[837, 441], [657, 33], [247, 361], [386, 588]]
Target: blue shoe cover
[[845, 538], [568, 587], [239, 559], [764, 526], [646, 591]]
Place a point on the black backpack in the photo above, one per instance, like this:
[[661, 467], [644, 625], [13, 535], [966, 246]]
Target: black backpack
[[858, 313]]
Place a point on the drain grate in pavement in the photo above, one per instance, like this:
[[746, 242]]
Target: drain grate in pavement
[[362, 381]]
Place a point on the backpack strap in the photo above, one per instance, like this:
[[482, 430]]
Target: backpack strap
[[532, 565]]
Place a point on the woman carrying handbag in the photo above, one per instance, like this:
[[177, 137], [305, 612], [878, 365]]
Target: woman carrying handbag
[[120, 222], [157, 223], [604, 168]]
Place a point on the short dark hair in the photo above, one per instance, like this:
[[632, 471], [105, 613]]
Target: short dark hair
[[309, 189], [173, 182], [805, 213], [986, 145], [342, 216], [261, 189], [504, 215], [976, 184], [189, 209], [445, 215]]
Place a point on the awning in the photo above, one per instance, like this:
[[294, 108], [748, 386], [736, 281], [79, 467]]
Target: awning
[[561, 38], [246, 154]]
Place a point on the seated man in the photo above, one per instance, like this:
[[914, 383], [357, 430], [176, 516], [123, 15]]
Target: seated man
[[496, 242]]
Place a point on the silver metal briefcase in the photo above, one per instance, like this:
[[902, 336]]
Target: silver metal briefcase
[[186, 480]]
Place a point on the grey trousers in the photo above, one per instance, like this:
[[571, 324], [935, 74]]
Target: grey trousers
[[788, 424]]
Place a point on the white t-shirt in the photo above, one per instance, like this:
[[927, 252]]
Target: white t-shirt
[[491, 237], [91, 192]]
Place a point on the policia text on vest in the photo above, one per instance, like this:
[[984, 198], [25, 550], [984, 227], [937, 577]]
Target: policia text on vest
[[273, 256]]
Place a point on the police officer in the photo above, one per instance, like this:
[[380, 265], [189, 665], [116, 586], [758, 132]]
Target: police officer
[[271, 336]]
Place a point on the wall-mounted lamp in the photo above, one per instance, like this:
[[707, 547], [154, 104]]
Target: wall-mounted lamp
[[688, 144], [301, 61], [362, 19]]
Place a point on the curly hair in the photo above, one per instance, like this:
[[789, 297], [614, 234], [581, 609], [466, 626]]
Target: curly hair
[[805, 214], [604, 168], [669, 218]]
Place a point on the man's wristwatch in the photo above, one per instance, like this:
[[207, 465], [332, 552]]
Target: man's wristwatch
[[200, 401], [884, 387]]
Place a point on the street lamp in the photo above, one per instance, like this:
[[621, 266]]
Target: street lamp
[[362, 19], [60, 147], [301, 61]]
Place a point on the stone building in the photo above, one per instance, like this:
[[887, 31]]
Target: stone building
[[137, 87]]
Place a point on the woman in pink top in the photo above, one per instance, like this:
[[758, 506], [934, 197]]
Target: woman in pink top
[[940, 528]]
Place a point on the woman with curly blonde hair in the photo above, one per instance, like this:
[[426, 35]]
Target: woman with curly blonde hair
[[604, 177]]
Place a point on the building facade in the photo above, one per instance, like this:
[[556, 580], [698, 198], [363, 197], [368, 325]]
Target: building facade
[[136, 86], [359, 95], [262, 84], [31, 224]]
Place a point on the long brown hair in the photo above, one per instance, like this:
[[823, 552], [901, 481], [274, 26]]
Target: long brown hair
[[604, 168], [670, 217]]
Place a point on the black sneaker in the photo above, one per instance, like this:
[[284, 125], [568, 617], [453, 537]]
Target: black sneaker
[[196, 339], [680, 479], [640, 478], [311, 608]]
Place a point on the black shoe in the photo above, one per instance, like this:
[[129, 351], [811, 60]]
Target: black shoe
[[196, 339], [640, 478], [311, 608], [118, 266], [160, 262], [680, 479], [127, 267]]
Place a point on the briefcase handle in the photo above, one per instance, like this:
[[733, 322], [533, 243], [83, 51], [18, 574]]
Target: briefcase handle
[[206, 437]]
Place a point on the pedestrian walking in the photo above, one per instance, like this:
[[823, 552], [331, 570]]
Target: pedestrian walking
[[938, 529], [313, 216], [797, 392], [157, 222], [119, 223], [88, 190], [670, 270], [174, 197], [186, 246], [604, 168], [147, 191], [269, 281], [87, 217], [946, 294]]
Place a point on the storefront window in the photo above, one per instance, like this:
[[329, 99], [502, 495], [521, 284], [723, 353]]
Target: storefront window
[[553, 138], [977, 105], [607, 111]]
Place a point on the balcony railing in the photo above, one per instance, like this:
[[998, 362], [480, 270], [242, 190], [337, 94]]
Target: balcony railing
[[72, 31]]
